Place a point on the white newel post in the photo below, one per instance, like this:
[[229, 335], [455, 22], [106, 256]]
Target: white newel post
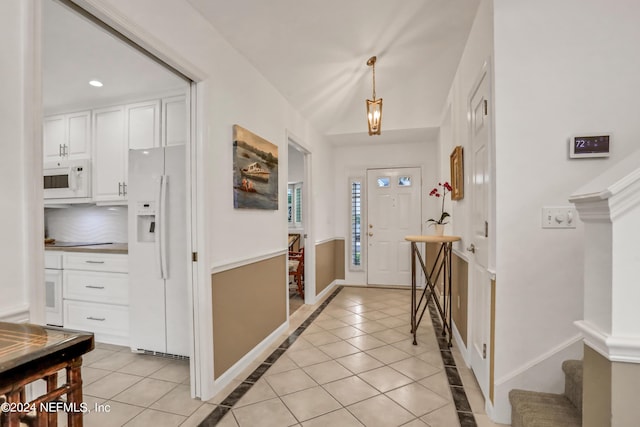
[[609, 206]]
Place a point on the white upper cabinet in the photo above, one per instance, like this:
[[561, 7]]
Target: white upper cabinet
[[110, 155], [174, 121], [142, 124], [67, 136], [106, 134]]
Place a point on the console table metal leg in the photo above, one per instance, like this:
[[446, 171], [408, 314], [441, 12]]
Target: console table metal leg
[[441, 265], [444, 289], [413, 292]]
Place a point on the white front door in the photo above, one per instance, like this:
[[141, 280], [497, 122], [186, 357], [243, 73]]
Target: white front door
[[393, 212], [480, 281]]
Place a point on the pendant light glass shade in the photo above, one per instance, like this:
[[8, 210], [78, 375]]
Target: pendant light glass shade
[[374, 116], [374, 107]]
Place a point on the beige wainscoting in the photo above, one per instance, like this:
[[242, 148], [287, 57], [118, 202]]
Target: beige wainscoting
[[610, 391], [249, 303], [431, 252], [460, 294], [329, 263], [459, 286], [596, 389]]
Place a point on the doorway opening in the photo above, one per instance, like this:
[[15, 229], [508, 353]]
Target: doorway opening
[[296, 221], [134, 101]]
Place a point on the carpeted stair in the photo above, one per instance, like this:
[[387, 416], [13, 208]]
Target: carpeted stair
[[535, 409]]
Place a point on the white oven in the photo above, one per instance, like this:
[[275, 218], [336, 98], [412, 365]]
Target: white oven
[[67, 179], [53, 287]]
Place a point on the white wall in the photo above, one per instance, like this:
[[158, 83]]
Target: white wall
[[354, 160], [234, 92], [230, 92], [19, 226], [561, 68], [296, 165], [454, 129]]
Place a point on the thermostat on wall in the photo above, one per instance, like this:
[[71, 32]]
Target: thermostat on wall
[[581, 146]]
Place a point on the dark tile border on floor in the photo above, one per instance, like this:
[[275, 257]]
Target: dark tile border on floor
[[225, 406], [463, 408]]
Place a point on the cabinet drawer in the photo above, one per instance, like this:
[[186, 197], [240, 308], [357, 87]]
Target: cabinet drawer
[[97, 318], [96, 262], [110, 288]]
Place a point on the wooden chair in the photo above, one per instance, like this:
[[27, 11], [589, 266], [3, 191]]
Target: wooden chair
[[296, 269], [294, 242]]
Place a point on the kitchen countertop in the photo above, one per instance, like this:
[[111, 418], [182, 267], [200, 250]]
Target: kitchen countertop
[[111, 248]]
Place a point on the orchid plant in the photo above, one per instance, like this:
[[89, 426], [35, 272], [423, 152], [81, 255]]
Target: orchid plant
[[436, 192]]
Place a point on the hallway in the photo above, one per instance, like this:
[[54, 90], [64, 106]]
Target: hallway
[[349, 361]]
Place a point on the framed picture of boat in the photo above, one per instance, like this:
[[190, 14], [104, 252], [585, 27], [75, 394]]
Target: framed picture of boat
[[255, 171]]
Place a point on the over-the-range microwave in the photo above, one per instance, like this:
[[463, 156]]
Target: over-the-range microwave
[[67, 179]]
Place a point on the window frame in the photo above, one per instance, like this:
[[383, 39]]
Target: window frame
[[356, 225], [297, 206]]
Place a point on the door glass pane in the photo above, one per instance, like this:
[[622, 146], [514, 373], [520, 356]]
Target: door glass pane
[[355, 223], [383, 181], [290, 204], [298, 203], [404, 181]]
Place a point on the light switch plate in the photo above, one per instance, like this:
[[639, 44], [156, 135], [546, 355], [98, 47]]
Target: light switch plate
[[559, 217]]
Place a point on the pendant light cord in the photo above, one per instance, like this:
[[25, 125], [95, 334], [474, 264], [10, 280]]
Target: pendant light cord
[[374, 81]]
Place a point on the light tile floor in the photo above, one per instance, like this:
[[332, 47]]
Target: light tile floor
[[122, 388], [353, 365]]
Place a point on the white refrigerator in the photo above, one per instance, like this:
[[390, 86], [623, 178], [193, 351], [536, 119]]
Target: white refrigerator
[[158, 256]]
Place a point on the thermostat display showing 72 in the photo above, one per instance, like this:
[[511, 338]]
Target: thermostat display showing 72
[[589, 146]]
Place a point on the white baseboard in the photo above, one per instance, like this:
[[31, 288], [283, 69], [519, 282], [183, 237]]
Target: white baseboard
[[544, 373], [247, 359], [464, 352], [326, 291], [18, 314]]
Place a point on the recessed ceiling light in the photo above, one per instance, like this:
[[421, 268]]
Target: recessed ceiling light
[[95, 83]]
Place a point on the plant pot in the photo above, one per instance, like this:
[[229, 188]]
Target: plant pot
[[439, 229]]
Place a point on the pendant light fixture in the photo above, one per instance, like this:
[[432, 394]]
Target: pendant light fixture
[[374, 107]]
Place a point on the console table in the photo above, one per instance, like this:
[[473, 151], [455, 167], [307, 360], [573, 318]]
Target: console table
[[31, 352], [441, 265]]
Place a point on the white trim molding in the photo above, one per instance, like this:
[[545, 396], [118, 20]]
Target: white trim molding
[[245, 261], [18, 314], [323, 241], [538, 360], [615, 349], [325, 292], [611, 194], [464, 351], [225, 379]]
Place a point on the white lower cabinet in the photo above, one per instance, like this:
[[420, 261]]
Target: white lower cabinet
[[96, 295], [110, 323]]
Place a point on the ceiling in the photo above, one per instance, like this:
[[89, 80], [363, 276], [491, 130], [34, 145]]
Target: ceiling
[[313, 52], [75, 50]]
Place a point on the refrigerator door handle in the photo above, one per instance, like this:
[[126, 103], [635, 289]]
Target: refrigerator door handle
[[163, 226], [158, 231]]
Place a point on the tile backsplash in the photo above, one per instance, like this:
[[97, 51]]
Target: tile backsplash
[[87, 223]]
